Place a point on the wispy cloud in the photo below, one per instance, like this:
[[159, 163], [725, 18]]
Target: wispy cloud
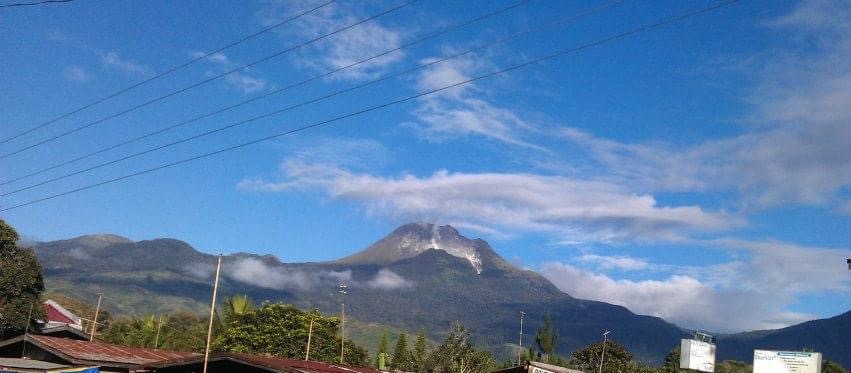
[[239, 80], [464, 111], [355, 44], [116, 61], [77, 73], [621, 262], [577, 210]]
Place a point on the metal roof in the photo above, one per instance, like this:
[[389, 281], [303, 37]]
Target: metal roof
[[271, 363], [8, 362], [98, 353]]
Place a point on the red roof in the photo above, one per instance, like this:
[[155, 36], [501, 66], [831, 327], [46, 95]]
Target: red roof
[[105, 352], [56, 315]]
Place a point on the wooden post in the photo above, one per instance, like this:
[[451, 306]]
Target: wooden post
[[309, 335], [212, 312], [95, 321]]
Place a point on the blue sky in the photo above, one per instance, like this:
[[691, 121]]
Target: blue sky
[[693, 172]]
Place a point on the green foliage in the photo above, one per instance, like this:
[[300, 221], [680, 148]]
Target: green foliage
[[617, 359], [181, 331], [236, 306], [546, 337], [21, 284], [672, 362], [281, 330], [733, 366], [419, 355], [457, 355], [402, 359], [829, 366]]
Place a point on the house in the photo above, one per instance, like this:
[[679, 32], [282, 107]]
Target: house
[[66, 351], [537, 367], [18, 365], [245, 363], [57, 316]]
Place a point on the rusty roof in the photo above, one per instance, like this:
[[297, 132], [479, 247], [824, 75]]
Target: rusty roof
[[100, 353], [272, 363]]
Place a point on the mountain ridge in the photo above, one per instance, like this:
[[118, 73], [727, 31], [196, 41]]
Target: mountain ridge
[[404, 284]]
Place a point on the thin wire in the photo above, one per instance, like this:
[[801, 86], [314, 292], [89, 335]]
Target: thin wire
[[391, 103], [274, 92], [317, 99], [164, 73], [205, 81], [34, 3]]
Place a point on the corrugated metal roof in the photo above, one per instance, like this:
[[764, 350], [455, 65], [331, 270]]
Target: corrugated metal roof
[[7, 362], [273, 363], [105, 352]]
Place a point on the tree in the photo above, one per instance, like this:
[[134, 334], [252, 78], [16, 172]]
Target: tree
[[401, 355], [733, 366], [236, 306], [21, 284], [829, 366], [672, 362], [281, 329], [546, 337], [457, 355], [382, 349], [617, 360], [419, 355]]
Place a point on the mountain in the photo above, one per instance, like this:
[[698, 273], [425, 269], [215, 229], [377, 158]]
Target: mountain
[[831, 337], [419, 276]]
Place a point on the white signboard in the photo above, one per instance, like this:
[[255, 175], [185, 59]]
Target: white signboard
[[786, 362], [697, 355], [539, 370]]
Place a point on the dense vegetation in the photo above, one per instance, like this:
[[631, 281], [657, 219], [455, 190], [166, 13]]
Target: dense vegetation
[[21, 283]]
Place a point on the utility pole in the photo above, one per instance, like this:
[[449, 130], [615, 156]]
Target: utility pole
[[95, 321], [212, 312], [520, 353], [603, 354], [309, 335], [26, 332], [343, 288]]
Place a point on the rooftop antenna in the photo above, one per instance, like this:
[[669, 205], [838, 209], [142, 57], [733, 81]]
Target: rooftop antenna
[[603, 353]]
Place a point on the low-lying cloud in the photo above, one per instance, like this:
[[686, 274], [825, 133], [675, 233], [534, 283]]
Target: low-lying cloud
[[256, 272]]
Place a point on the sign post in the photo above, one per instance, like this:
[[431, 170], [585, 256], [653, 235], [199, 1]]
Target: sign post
[[765, 361]]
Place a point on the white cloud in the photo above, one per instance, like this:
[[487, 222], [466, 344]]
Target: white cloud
[[764, 279], [796, 150], [683, 300], [116, 61], [462, 111], [255, 272], [240, 80], [386, 279], [355, 44], [77, 73], [576, 209], [624, 263]]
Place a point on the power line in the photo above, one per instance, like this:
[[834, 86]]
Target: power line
[[320, 98], [34, 3], [274, 92], [391, 103], [164, 73], [205, 81]]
